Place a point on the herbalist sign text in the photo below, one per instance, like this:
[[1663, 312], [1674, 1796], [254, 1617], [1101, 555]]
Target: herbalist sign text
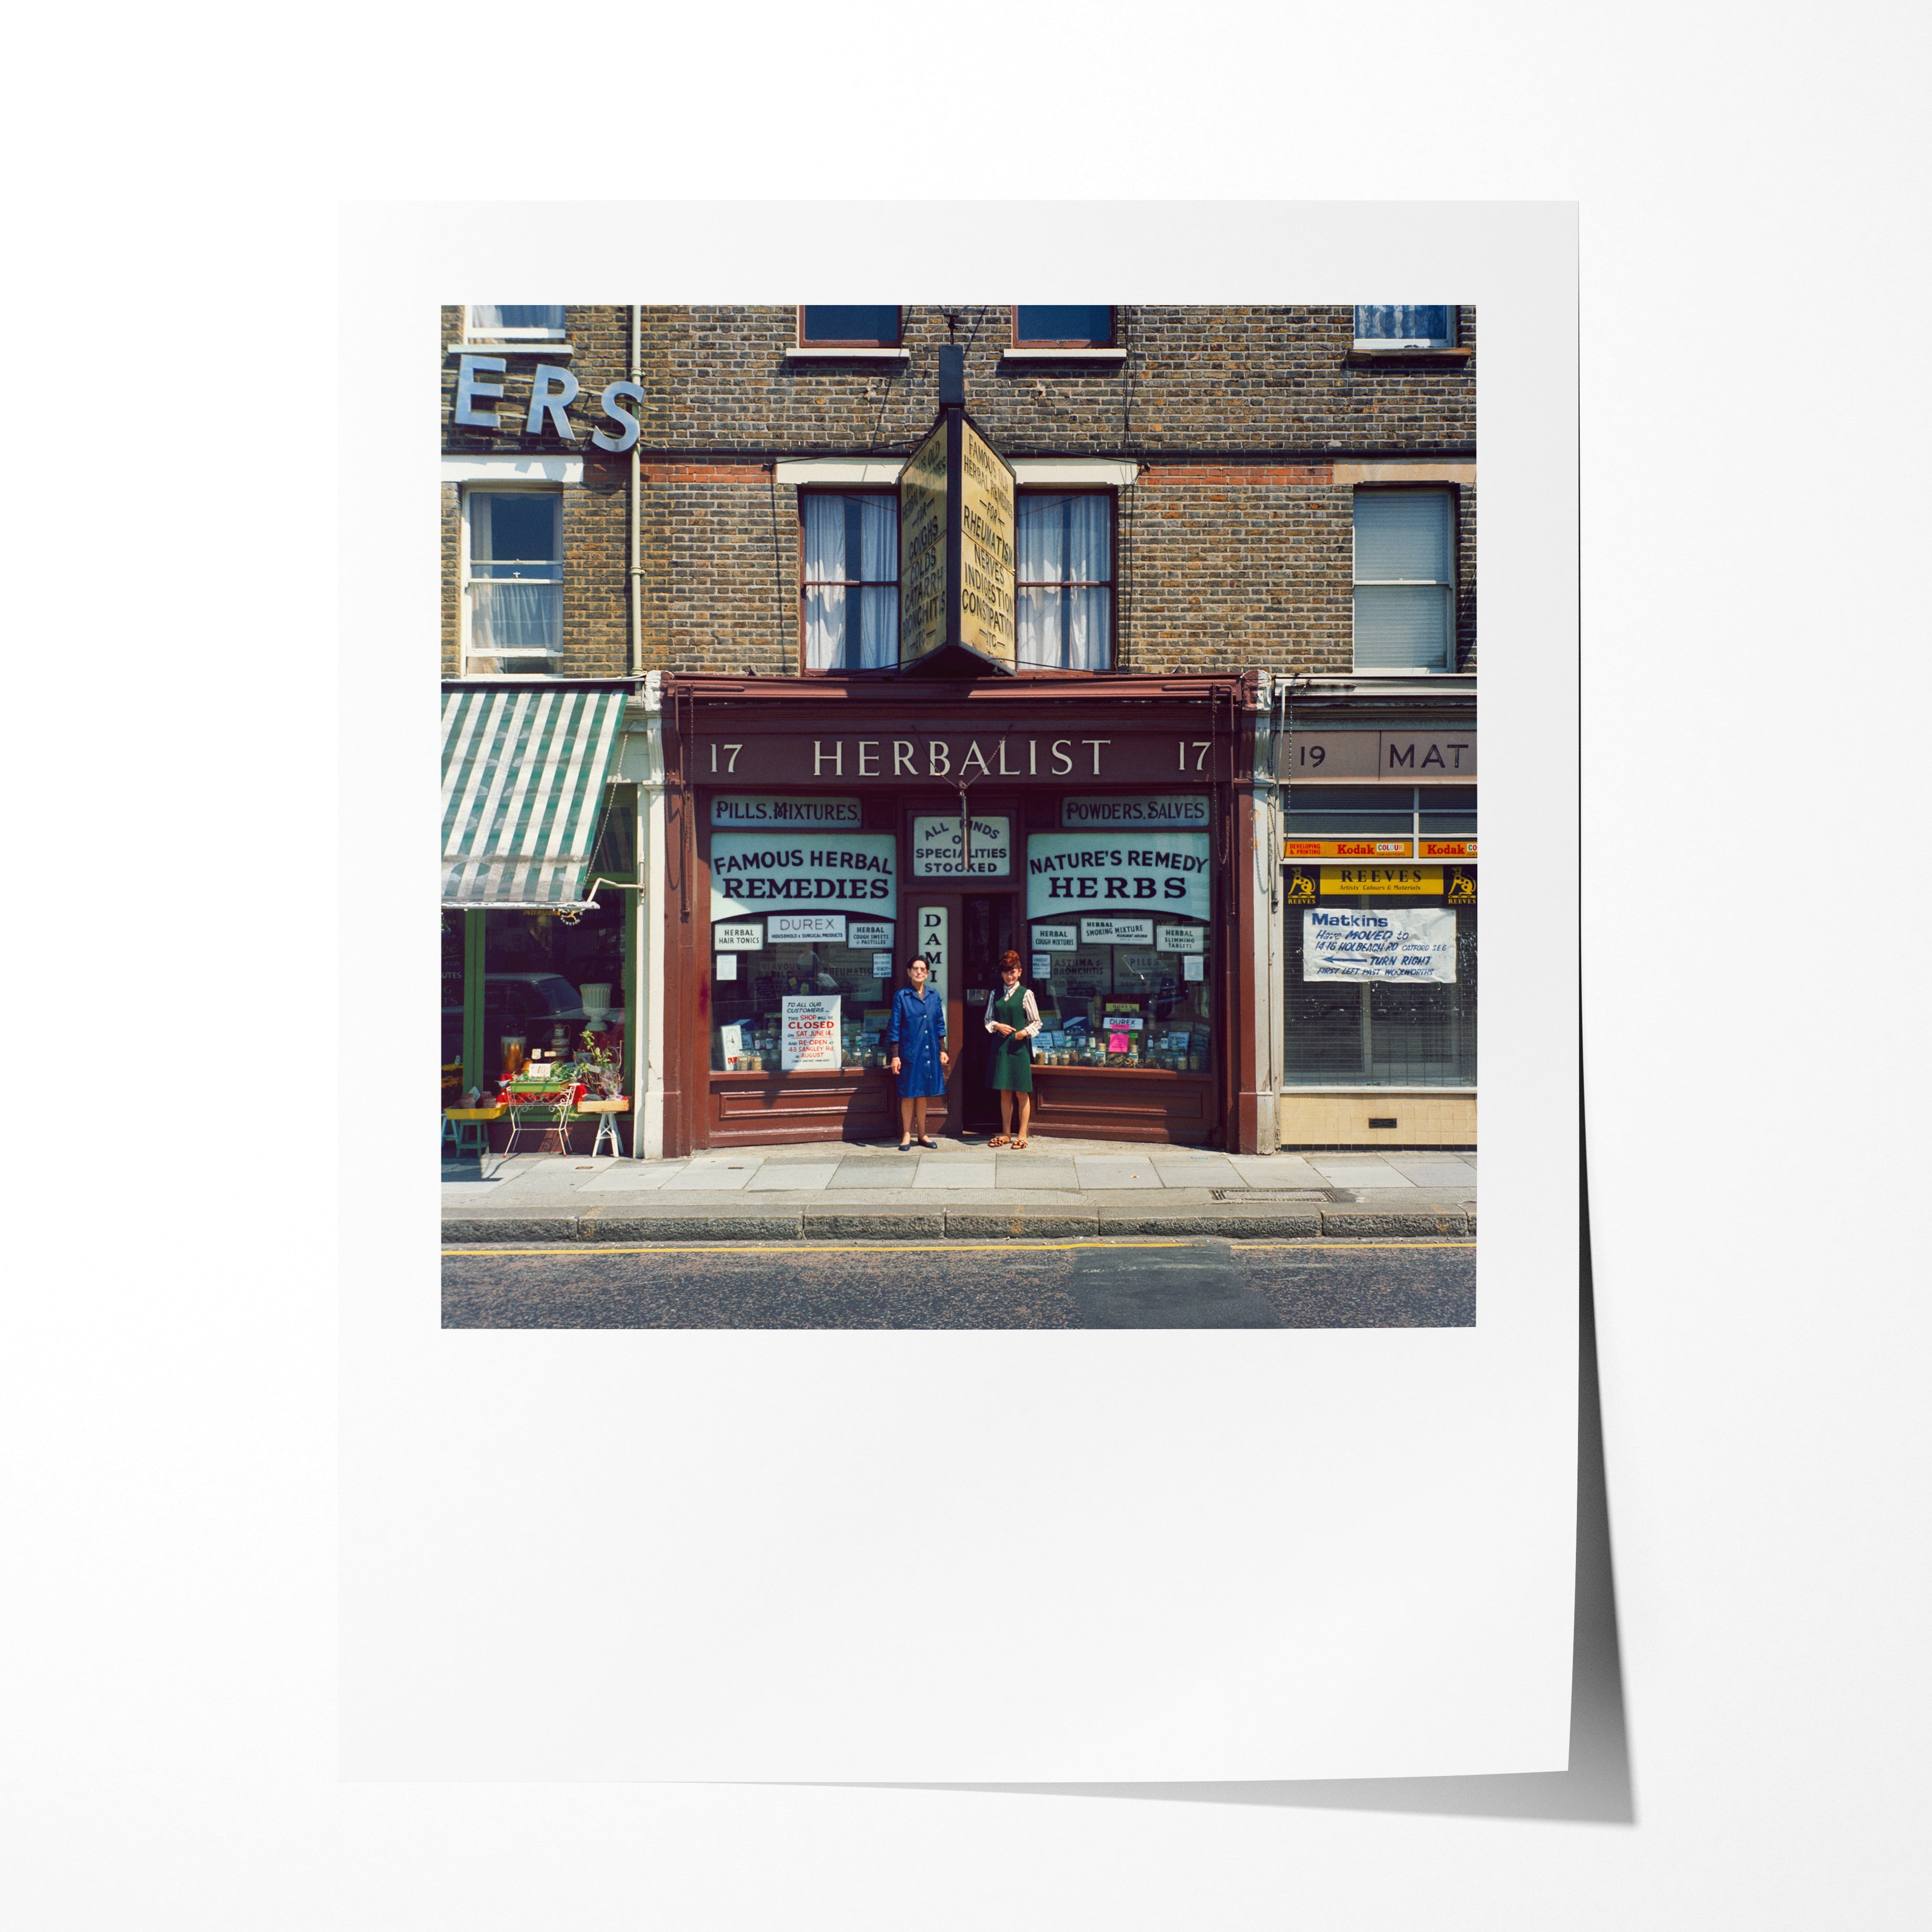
[[1026, 755]]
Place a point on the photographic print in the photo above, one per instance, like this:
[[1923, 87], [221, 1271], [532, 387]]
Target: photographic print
[[959, 816]]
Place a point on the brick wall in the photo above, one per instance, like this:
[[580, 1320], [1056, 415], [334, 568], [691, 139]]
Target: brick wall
[[1234, 549]]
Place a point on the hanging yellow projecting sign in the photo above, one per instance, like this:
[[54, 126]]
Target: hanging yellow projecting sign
[[1427, 879], [956, 552]]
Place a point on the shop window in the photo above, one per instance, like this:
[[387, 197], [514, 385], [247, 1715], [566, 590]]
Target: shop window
[[1350, 811], [1404, 326], [851, 325], [514, 322], [1063, 580], [1063, 326], [1448, 812], [512, 581], [1405, 580], [850, 579], [1145, 1004], [841, 983], [1381, 991]]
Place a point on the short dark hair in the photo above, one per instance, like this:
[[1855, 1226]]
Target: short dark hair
[[917, 959]]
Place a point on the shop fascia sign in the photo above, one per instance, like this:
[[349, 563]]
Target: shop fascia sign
[[553, 390], [956, 544], [1157, 756], [1387, 757]]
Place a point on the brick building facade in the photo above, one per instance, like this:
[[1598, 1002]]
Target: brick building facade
[[1253, 428]]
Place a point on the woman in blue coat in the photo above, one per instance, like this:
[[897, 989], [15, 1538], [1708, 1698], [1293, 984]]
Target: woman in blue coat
[[917, 1038]]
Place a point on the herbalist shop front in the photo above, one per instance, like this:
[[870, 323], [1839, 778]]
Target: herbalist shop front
[[819, 834]]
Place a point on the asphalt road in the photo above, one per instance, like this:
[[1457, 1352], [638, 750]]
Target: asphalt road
[[1205, 1284]]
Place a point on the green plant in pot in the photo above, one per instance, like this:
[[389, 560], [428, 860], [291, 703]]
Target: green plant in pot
[[599, 1067]]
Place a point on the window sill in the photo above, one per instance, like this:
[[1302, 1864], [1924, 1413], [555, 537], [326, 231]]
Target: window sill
[[510, 348], [1359, 357], [1406, 671], [1063, 355], [817, 354]]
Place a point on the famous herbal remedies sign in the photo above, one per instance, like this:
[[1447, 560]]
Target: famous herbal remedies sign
[[1408, 943], [754, 872], [1148, 872]]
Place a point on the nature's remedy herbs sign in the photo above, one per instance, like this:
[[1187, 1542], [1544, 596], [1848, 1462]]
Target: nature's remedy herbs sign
[[755, 872], [763, 809], [1163, 871], [1406, 943]]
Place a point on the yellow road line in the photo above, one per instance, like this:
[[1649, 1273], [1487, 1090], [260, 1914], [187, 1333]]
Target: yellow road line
[[1333, 1245]]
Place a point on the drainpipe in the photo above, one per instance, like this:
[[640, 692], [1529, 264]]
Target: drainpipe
[[637, 570]]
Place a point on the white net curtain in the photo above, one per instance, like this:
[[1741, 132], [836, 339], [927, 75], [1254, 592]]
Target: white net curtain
[[851, 582], [1063, 576]]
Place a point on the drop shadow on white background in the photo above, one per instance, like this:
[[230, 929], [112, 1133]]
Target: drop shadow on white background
[[1597, 1787]]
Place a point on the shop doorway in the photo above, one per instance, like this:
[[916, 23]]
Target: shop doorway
[[989, 923]]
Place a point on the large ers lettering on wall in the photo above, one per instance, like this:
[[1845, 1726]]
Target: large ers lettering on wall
[[1164, 871], [753, 872]]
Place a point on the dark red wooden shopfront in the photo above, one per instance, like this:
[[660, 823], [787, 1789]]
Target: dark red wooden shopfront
[[900, 749]]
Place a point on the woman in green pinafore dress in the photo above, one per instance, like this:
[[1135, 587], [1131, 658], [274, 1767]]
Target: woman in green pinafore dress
[[1012, 1018]]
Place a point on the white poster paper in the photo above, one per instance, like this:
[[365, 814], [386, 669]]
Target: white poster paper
[[862, 934], [725, 966], [738, 938], [1042, 965], [731, 1039], [1167, 810], [755, 872], [1180, 938], [1151, 871], [882, 965], [809, 1032], [1055, 939], [1401, 942], [1191, 965], [787, 926], [939, 848], [1117, 932]]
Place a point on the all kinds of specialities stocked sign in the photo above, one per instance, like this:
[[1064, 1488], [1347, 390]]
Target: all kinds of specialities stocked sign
[[1357, 943], [939, 848], [759, 872]]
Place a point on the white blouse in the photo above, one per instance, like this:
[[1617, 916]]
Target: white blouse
[[1033, 1024]]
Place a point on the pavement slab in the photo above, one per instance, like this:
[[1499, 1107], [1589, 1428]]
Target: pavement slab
[[1099, 1173], [717, 1176], [793, 1176], [1021, 1170], [633, 1177], [953, 1174]]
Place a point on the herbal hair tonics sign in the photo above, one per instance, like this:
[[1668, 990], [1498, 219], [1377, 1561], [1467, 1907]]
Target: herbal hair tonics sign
[[754, 872], [1406, 943], [1148, 872]]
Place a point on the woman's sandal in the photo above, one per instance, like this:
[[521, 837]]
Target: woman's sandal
[[1018, 1145], [998, 1140]]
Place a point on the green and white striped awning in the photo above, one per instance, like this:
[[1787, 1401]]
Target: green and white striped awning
[[523, 778]]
